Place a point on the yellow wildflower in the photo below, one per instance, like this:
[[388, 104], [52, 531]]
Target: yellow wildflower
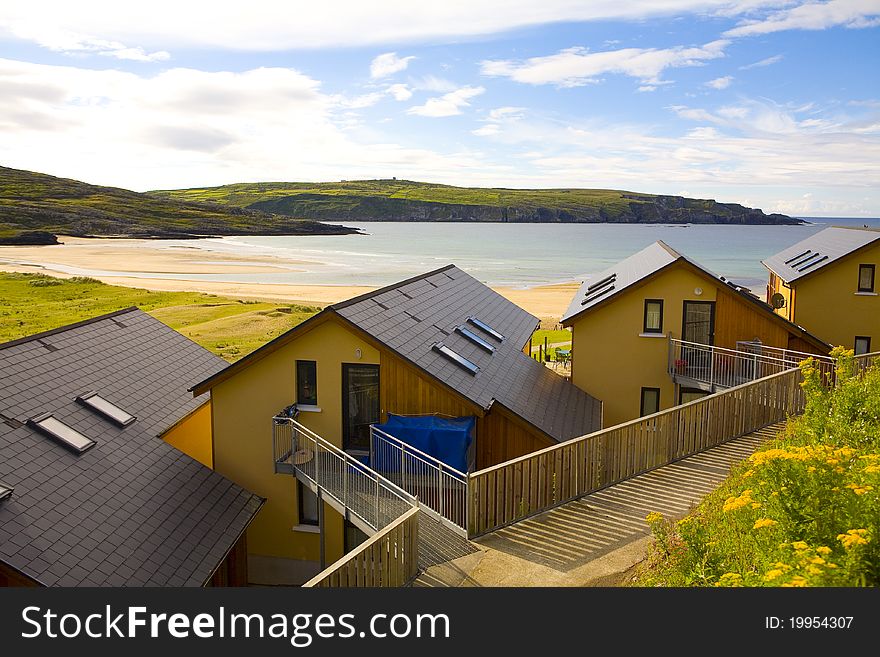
[[812, 468], [763, 522], [872, 469], [853, 537], [729, 579], [734, 503], [654, 517], [822, 549], [800, 545], [817, 560], [813, 570], [770, 575], [797, 580], [858, 489]]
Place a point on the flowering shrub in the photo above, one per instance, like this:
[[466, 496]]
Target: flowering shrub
[[802, 511]]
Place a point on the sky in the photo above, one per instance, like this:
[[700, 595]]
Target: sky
[[770, 103]]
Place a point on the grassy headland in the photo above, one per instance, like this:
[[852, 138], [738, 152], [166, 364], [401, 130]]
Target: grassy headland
[[802, 511], [32, 303], [404, 200], [35, 206]]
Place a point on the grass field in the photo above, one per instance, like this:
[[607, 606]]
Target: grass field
[[560, 338], [32, 303], [346, 193], [31, 201]]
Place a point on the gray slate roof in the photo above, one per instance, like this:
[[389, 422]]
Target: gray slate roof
[[627, 272], [648, 261], [133, 510], [818, 251], [411, 316]]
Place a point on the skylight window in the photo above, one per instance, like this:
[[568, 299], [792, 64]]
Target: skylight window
[[476, 339], [64, 434], [456, 358], [483, 326], [596, 295], [799, 262], [815, 262], [108, 409], [5, 491], [605, 281], [797, 257]]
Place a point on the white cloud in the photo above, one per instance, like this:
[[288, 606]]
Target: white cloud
[[498, 117], [448, 104], [68, 42], [400, 92], [387, 64], [814, 16], [185, 127], [577, 66], [507, 113], [646, 88], [360, 102], [269, 25], [720, 83], [433, 83], [487, 130], [769, 61]]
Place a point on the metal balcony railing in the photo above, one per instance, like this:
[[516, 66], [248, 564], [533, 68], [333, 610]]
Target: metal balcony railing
[[439, 487], [713, 368], [352, 485]]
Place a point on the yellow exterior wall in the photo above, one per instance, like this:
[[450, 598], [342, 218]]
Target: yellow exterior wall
[[613, 363], [827, 305], [775, 285], [192, 435], [243, 407]]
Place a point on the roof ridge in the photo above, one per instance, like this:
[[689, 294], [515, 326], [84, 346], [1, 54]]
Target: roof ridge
[[388, 288], [872, 229], [67, 327], [669, 249]]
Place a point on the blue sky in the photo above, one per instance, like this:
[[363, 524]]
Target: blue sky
[[769, 103]]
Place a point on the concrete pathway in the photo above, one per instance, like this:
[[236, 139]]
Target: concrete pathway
[[593, 540]]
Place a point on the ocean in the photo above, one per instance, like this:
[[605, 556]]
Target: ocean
[[519, 255]]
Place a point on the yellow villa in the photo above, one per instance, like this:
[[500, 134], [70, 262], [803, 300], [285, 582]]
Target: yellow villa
[[657, 329], [440, 344], [828, 283]]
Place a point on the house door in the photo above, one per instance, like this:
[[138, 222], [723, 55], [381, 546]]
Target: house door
[[360, 405], [698, 324]]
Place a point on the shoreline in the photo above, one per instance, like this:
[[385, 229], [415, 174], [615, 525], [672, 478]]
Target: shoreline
[[117, 259]]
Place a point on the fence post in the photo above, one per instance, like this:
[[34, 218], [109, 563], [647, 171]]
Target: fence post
[[440, 488]]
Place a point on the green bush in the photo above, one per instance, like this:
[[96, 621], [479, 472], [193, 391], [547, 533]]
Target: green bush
[[801, 511]]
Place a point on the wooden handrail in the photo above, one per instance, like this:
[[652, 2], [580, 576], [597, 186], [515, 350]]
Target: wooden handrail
[[624, 425], [389, 558], [530, 484]]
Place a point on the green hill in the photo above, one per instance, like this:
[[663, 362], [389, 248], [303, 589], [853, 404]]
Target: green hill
[[35, 207], [404, 200]]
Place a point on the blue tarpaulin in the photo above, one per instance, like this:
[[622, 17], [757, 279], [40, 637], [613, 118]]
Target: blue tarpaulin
[[446, 439]]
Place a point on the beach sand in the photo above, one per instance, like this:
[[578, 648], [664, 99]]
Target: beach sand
[[548, 303]]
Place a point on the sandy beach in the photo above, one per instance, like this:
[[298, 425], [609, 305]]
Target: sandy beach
[[124, 256]]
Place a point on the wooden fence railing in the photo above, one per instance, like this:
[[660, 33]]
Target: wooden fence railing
[[513, 490], [389, 558]]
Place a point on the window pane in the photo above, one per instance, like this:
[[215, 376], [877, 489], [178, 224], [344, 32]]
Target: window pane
[[306, 382], [866, 278], [653, 316], [862, 345], [650, 401], [308, 506]]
